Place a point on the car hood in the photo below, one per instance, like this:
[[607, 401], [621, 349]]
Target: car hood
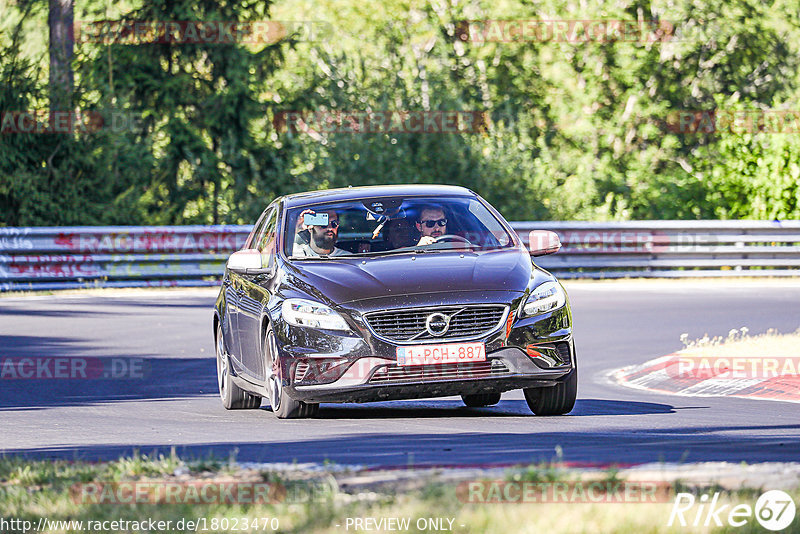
[[354, 279]]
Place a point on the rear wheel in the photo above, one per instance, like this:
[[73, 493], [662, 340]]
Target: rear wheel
[[481, 399], [233, 397], [554, 400], [282, 404]]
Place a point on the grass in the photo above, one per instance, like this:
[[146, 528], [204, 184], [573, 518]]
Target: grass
[[318, 503], [738, 343]]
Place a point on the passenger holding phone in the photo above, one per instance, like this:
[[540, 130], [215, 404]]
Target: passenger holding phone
[[323, 232]]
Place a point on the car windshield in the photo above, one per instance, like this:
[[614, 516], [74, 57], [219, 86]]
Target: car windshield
[[392, 225]]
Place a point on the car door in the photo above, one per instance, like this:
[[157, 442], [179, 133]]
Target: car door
[[232, 285], [230, 333], [254, 297]]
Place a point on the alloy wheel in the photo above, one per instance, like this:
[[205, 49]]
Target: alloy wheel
[[223, 374], [274, 385]]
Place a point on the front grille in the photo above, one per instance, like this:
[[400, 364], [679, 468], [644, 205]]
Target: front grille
[[466, 322], [449, 371]]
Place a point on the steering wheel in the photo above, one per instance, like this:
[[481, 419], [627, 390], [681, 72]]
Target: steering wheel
[[451, 237]]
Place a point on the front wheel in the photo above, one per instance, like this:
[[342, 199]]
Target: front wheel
[[282, 404], [554, 400], [233, 397]]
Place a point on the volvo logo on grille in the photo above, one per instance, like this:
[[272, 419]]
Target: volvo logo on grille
[[437, 324]]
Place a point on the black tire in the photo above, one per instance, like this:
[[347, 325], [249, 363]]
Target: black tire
[[481, 399], [555, 400], [233, 397], [283, 406]]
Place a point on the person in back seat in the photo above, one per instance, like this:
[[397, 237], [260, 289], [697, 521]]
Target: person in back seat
[[399, 233]]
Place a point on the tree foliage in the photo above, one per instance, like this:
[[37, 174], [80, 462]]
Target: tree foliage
[[575, 130]]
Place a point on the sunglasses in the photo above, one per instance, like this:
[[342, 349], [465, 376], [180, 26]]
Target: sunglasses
[[431, 224], [332, 224]]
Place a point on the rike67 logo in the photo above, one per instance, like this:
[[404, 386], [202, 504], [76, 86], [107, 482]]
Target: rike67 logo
[[774, 510]]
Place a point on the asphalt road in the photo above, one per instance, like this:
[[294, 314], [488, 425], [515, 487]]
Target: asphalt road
[[162, 344]]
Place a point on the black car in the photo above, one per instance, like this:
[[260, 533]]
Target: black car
[[391, 292]]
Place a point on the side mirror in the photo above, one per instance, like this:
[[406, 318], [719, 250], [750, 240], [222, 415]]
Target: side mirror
[[543, 242], [247, 261]]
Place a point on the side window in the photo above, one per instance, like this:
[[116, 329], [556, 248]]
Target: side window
[[265, 242], [251, 239]]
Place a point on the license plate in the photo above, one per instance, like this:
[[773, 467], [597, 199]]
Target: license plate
[[444, 353]]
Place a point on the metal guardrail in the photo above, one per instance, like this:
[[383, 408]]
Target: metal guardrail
[[671, 249], [115, 256], [158, 256]]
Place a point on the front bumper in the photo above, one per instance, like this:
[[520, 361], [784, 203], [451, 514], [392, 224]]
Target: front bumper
[[329, 367], [517, 371]]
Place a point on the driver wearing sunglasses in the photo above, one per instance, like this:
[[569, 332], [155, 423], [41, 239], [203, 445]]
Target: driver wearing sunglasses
[[431, 224], [322, 240]]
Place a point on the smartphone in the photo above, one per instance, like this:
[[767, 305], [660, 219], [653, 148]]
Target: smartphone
[[319, 219]]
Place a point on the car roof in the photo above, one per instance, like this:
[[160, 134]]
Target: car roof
[[373, 191]]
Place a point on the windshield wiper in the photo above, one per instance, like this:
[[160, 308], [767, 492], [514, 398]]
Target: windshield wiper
[[323, 257], [459, 247], [391, 252]]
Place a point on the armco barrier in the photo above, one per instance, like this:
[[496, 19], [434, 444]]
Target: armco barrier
[[127, 256], [115, 256], [669, 249]]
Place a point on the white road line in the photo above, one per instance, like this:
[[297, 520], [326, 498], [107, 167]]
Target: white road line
[[721, 386]]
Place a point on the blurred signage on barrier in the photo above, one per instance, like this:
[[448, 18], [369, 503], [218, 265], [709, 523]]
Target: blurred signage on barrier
[[45, 258]]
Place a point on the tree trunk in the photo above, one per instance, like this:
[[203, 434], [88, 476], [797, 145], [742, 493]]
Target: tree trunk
[[62, 38]]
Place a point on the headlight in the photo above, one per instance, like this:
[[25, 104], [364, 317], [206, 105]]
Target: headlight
[[302, 312], [546, 297]]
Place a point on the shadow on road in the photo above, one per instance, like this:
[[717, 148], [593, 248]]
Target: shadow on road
[[506, 408], [18, 311], [113, 378], [593, 407], [39, 372], [403, 449]]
